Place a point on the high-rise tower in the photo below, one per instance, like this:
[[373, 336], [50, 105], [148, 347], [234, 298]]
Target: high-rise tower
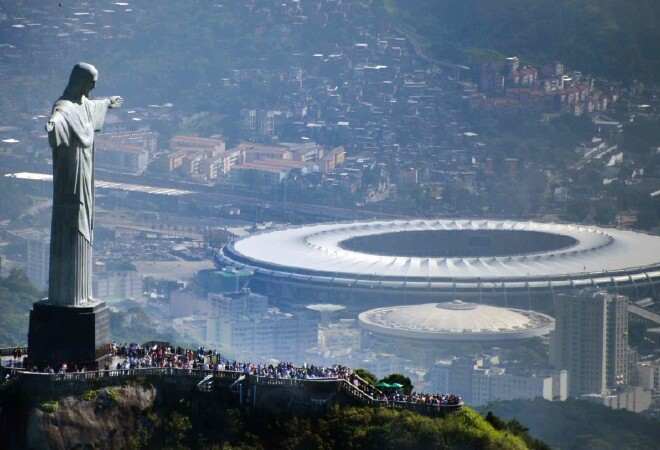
[[590, 340]]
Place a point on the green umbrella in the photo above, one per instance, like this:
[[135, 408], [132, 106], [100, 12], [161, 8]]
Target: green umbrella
[[384, 385], [396, 385]]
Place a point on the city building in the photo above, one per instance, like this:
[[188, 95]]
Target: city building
[[38, 256], [493, 384], [269, 172], [257, 122], [225, 280], [122, 158], [254, 152], [631, 398], [590, 340], [198, 158], [117, 285], [127, 152], [305, 152], [186, 302], [332, 159], [244, 325], [648, 375], [479, 381], [210, 146]]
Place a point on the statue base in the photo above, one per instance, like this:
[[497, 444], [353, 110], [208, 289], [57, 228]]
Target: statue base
[[76, 335]]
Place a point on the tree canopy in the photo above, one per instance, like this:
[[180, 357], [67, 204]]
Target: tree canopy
[[16, 298]]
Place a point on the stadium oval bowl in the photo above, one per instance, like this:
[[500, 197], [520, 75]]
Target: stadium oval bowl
[[444, 258]]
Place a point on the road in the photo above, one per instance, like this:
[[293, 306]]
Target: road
[[644, 313]]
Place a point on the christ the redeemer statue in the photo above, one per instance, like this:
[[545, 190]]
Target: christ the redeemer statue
[[70, 326], [71, 128]]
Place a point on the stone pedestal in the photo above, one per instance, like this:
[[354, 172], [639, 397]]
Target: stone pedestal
[[75, 335]]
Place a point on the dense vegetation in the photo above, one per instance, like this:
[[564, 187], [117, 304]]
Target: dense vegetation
[[155, 414], [178, 426], [574, 424], [618, 39], [16, 298], [13, 201], [17, 295]]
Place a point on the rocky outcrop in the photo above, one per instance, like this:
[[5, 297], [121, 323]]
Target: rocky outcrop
[[107, 418]]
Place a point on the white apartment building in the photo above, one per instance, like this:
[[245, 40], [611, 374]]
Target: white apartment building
[[496, 384], [648, 374], [243, 325], [127, 152], [590, 340], [631, 398], [117, 285], [479, 384]]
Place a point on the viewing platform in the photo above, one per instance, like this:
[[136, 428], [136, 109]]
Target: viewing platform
[[252, 390]]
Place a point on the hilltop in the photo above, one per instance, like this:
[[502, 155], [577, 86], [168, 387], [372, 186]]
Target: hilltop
[[140, 414], [617, 39]]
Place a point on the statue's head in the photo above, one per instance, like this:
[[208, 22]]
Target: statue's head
[[82, 81]]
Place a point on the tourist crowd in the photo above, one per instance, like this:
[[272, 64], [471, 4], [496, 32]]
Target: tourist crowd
[[423, 399], [127, 357], [162, 356]]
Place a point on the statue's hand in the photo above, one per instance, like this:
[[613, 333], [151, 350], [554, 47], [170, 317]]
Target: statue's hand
[[116, 101]]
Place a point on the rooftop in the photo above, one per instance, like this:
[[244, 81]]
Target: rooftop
[[458, 254], [456, 320]]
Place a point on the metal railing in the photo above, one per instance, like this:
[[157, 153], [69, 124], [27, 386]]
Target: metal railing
[[362, 396], [10, 351], [343, 384]]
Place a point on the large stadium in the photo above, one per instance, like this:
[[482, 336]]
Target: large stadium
[[366, 264]]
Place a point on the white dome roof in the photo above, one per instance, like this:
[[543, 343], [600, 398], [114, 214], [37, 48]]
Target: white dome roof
[[456, 320]]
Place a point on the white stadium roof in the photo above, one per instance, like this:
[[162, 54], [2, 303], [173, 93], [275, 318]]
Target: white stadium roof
[[317, 253], [456, 321]]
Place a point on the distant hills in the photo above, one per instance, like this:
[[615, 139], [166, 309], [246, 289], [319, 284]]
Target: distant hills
[[617, 39], [577, 425]]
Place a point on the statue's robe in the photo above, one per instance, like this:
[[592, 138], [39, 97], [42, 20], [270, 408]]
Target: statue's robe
[[71, 130]]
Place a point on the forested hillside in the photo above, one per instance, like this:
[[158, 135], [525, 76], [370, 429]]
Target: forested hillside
[[16, 298], [577, 425], [140, 414], [618, 39]]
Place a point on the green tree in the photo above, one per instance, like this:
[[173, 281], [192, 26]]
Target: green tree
[[401, 379], [366, 376], [16, 298]]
